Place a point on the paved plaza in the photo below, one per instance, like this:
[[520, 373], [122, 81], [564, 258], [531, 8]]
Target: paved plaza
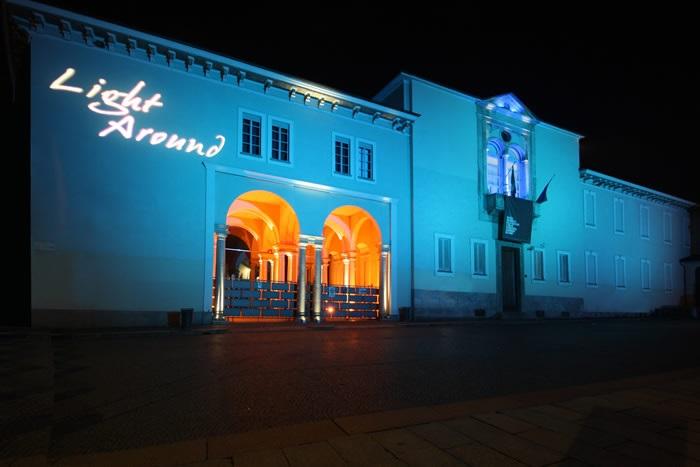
[[617, 392]]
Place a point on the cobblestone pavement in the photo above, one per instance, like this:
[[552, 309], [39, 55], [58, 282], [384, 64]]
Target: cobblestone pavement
[[182, 399]]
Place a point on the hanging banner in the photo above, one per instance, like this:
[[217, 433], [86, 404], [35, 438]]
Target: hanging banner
[[516, 223]]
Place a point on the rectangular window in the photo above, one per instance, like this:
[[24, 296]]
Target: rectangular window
[[443, 254], [589, 213], [620, 272], [668, 277], [250, 135], [537, 265], [564, 267], [667, 226], [342, 155], [619, 216], [644, 221], [646, 274], [279, 141], [479, 258], [366, 161], [591, 269]]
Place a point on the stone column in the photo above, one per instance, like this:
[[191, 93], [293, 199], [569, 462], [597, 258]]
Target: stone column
[[276, 265], [301, 284], [317, 283], [346, 270], [221, 234], [384, 284], [352, 278]]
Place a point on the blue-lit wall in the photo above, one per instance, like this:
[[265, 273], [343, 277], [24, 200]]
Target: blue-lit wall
[[629, 241], [122, 230], [447, 202], [448, 155], [558, 226]]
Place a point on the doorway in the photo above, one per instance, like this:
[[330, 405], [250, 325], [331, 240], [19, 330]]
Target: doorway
[[510, 279]]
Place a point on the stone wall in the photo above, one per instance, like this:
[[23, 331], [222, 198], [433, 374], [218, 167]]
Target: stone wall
[[439, 304]]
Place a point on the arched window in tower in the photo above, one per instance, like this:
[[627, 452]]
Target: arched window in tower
[[507, 167], [516, 169], [494, 151]]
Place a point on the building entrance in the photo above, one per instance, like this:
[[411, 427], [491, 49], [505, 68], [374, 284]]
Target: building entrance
[[510, 279]]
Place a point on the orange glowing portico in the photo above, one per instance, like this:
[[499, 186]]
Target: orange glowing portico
[[265, 269], [352, 245]]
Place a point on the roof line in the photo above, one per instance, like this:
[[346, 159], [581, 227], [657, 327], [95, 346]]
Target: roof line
[[633, 188], [373, 106], [468, 97]]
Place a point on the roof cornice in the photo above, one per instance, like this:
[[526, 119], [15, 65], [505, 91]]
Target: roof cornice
[[615, 184], [37, 18]]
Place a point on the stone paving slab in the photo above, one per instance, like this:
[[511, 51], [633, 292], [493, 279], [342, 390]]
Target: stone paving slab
[[645, 421]]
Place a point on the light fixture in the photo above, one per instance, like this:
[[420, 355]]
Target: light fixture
[[292, 93], [307, 98], [321, 102], [334, 107]]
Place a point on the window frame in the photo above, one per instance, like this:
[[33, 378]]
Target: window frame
[[290, 152], [358, 143], [472, 243], [642, 262], [619, 202], [451, 238], [624, 272], [561, 253], [544, 265], [668, 215], [351, 142], [263, 147], [594, 196], [589, 284], [644, 207]]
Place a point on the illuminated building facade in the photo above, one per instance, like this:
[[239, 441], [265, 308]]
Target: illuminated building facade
[[166, 177]]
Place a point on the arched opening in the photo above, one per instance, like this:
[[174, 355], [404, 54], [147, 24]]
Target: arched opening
[[261, 258], [507, 167], [352, 246], [268, 226]]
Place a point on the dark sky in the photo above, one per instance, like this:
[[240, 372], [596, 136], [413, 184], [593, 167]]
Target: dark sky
[[626, 81]]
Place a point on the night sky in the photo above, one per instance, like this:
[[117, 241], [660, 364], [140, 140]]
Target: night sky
[[626, 81]]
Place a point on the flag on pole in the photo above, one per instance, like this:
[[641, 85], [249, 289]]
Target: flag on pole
[[543, 196]]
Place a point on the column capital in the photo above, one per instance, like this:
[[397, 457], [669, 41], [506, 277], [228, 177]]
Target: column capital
[[386, 249], [221, 229], [313, 240]]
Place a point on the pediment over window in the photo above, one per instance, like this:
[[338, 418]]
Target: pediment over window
[[509, 105]]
